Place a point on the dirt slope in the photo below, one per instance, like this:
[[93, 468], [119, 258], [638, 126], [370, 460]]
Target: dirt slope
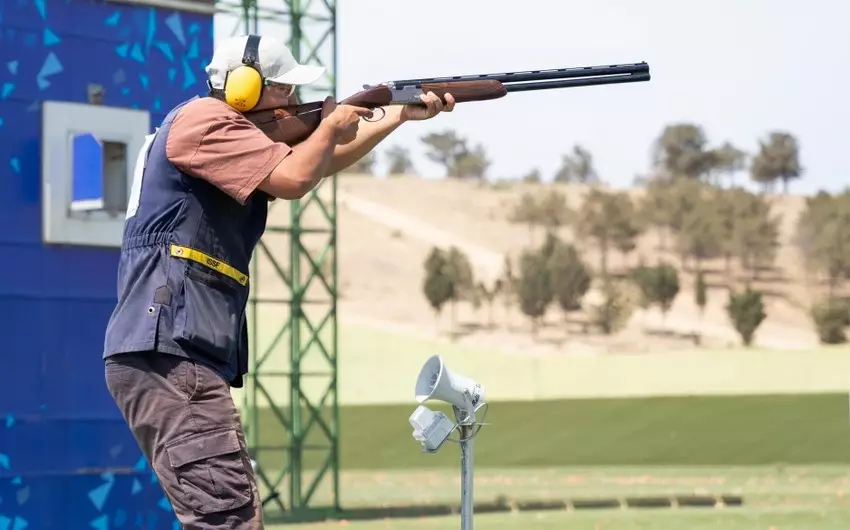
[[387, 227]]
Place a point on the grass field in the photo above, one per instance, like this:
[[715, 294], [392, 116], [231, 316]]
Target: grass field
[[739, 519], [798, 497], [585, 450], [699, 430]]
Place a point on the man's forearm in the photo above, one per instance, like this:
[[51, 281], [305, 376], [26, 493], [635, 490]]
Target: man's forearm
[[369, 135], [304, 168]]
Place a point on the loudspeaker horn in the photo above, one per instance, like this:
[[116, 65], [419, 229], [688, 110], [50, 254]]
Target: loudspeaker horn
[[436, 381]]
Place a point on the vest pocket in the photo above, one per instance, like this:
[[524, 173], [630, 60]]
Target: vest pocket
[[209, 319]]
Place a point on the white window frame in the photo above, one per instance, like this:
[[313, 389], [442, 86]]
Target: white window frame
[[60, 122]]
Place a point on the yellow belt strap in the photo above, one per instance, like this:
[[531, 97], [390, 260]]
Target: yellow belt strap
[[208, 261]]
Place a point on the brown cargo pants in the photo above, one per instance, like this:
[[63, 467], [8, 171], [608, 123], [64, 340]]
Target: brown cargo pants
[[185, 422]]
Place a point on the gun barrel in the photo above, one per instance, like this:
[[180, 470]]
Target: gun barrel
[[576, 82], [536, 75]]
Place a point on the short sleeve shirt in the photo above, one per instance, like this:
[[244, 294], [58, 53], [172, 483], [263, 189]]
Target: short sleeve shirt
[[211, 141]]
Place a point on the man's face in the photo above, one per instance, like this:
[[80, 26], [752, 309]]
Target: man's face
[[277, 96]]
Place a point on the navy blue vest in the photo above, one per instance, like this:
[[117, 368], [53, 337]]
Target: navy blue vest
[[183, 272]]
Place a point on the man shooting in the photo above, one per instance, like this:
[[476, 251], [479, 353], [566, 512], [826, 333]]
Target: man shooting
[[177, 340]]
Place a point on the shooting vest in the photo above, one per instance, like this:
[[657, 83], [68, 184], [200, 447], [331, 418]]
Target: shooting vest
[[183, 270]]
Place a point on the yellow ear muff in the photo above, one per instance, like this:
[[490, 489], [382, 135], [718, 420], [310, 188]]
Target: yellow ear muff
[[243, 88]]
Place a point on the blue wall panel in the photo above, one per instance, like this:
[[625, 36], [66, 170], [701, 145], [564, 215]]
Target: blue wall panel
[[67, 461]]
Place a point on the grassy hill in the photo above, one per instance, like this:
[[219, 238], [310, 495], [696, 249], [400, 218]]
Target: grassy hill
[[388, 226]]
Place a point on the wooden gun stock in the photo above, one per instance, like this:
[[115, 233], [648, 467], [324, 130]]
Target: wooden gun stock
[[292, 125], [466, 91], [288, 125]]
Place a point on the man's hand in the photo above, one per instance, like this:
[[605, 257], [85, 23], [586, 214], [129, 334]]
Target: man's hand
[[433, 106], [345, 119]]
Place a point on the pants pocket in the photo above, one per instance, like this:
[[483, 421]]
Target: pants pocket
[[209, 317], [210, 471]]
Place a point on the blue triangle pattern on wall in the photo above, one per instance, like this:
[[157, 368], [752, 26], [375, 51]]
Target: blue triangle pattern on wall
[[101, 523], [176, 26], [136, 53], [42, 9], [151, 28], [113, 19], [165, 48], [49, 38], [188, 75], [99, 495], [51, 66]]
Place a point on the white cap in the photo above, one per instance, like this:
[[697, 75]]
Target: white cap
[[276, 63]]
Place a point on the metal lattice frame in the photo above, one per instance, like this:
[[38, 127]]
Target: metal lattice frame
[[290, 410]]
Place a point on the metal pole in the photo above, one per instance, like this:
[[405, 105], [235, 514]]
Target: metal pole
[[466, 477]]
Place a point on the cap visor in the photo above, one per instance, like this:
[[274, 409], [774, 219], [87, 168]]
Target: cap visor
[[302, 74]]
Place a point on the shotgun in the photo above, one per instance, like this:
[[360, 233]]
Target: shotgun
[[294, 124]]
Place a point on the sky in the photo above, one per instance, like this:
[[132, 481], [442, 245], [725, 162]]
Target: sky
[[738, 68]]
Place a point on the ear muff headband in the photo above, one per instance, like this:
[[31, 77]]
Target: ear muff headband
[[243, 86]]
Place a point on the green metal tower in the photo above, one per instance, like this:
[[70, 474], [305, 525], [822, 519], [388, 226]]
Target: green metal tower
[[290, 410]]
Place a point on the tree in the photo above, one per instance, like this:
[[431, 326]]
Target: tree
[[831, 318], [509, 282], [399, 161], [489, 295], [756, 235], [823, 236], [728, 204], [437, 287], [682, 197], [526, 211], [665, 286], [470, 164], [577, 167], [642, 277], [746, 311], [658, 285], [570, 277], [444, 148], [615, 310], [655, 209], [627, 225], [700, 292], [701, 233], [778, 158], [459, 271], [680, 151], [608, 219], [553, 211], [592, 224], [532, 177], [729, 160], [534, 287], [700, 296]]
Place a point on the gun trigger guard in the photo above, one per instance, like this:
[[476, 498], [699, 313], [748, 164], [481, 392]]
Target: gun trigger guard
[[373, 118]]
